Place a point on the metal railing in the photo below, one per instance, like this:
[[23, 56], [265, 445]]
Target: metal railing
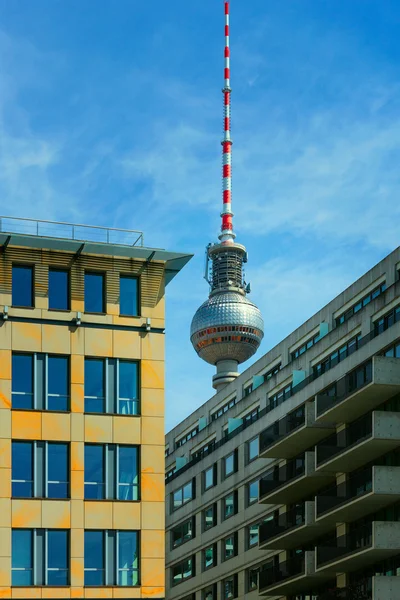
[[345, 387], [337, 443], [282, 428], [356, 485], [295, 517], [337, 547], [289, 568], [279, 477], [71, 231]]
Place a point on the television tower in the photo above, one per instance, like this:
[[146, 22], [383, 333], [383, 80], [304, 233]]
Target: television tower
[[227, 329]]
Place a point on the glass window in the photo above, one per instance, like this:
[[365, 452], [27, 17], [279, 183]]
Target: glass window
[[94, 293], [22, 557], [94, 558], [58, 289], [129, 295], [229, 547], [22, 381], [209, 557], [209, 518], [253, 447], [58, 383], [128, 558], [57, 471], [252, 582], [57, 557], [182, 571], [229, 464], [182, 495], [22, 469], [253, 535], [22, 286], [128, 473], [229, 505], [252, 490], [94, 385], [209, 478], [128, 388], [229, 588], [94, 472], [182, 533]]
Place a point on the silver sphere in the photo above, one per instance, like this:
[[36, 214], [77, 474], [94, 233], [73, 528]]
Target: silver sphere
[[227, 326]]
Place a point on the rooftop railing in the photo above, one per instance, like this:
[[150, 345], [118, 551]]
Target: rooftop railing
[[71, 231]]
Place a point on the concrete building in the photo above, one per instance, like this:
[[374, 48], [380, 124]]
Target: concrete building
[[81, 411], [286, 483]]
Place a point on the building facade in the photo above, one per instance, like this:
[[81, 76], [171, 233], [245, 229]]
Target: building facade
[[81, 411], [286, 483]]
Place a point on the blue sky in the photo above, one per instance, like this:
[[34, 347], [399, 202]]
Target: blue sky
[[111, 114]]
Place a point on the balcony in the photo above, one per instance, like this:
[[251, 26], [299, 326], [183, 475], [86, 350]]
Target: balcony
[[292, 576], [363, 493], [360, 391], [360, 443], [359, 548], [293, 434], [292, 529], [293, 481]]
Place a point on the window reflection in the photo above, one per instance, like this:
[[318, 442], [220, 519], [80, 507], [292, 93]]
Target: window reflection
[[22, 286]]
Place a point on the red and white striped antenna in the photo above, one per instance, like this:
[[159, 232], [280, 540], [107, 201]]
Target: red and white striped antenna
[[227, 236]]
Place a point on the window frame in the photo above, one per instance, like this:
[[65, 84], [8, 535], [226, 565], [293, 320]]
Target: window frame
[[180, 526], [68, 273], [234, 579], [111, 570], [111, 399], [234, 455], [31, 267], [192, 483], [250, 459], [192, 558], [138, 299], [214, 563], [234, 494], [102, 274], [213, 469], [111, 471], [212, 507], [255, 482], [234, 537]]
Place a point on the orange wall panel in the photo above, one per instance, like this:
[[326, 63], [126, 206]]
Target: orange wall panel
[[56, 514], [153, 430], [5, 364], [27, 425], [5, 393], [152, 459], [26, 337], [153, 374], [152, 544], [26, 513], [56, 426], [152, 487], [77, 398]]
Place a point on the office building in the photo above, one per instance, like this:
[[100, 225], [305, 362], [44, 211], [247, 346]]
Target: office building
[[286, 483], [81, 411]]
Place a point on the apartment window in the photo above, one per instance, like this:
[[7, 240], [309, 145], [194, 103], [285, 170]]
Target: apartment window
[[111, 558], [229, 547], [267, 376], [40, 557], [360, 304], [183, 495], [183, 533], [129, 296], [306, 346], [210, 592], [120, 395], [188, 436], [253, 535], [337, 356], [251, 417], [204, 450], [51, 373], [59, 289], [247, 390], [229, 505], [210, 477], [393, 351], [230, 464], [252, 492], [209, 517], [40, 470], [387, 321], [229, 587], [223, 409], [183, 570], [111, 472], [253, 448], [252, 579], [209, 557], [281, 396], [22, 286], [95, 292]]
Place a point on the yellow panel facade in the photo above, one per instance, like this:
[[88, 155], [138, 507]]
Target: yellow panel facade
[[108, 336]]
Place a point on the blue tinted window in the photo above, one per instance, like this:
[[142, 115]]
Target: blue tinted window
[[22, 286], [57, 557], [57, 470], [22, 557], [128, 558], [128, 390], [94, 558], [129, 296], [94, 385], [22, 469], [58, 289], [94, 472], [22, 381], [128, 484], [94, 293], [58, 383]]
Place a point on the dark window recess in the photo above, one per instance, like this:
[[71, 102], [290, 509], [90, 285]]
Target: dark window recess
[[209, 593], [306, 346], [120, 395], [252, 579], [253, 449], [183, 532], [229, 505], [278, 476], [111, 472], [111, 558], [354, 541], [210, 477], [393, 351], [230, 587], [182, 571], [209, 557], [203, 451], [337, 356], [221, 411], [40, 557], [183, 495], [209, 517], [253, 531], [95, 292], [59, 296], [129, 296], [252, 492], [247, 390], [230, 464], [281, 396], [267, 376], [182, 441], [40, 470], [22, 286], [387, 321], [252, 416], [51, 391], [360, 304], [229, 546]]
